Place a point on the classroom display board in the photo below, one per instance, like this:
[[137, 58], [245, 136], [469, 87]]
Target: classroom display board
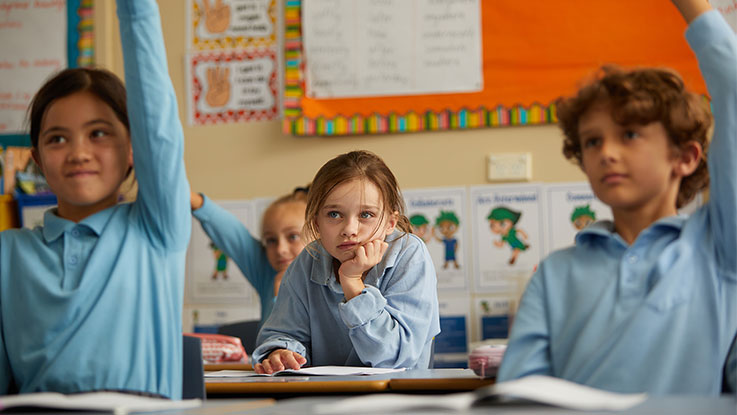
[[531, 54], [233, 60], [42, 37]]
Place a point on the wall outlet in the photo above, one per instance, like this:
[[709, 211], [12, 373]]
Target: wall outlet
[[509, 167]]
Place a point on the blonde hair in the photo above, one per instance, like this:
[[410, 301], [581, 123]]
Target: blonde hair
[[298, 195], [363, 165]]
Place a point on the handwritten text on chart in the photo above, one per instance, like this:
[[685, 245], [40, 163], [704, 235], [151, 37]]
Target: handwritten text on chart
[[391, 47], [37, 48]]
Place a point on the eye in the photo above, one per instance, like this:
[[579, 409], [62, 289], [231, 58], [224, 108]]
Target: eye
[[98, 133], [334, 214], [367, 215], [270, 241], [294, 237], [55, 139], [591, 142], [631, 134]]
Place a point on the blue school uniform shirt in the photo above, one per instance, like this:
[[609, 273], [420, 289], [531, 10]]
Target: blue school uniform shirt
[[230, 235], [390, 324], [98, 304], [657, 316]]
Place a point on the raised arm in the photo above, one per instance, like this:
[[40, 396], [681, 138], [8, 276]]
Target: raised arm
[[691, 9], [156, 132]]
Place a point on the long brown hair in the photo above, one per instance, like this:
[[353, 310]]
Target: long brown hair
[[359, 164]]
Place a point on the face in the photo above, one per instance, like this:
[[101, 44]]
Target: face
[[282, 233], [500, 227], [447, 228], [84, 152], [351, 216], [419, 230], [631, 168]]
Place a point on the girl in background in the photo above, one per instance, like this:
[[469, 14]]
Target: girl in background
[[361, 294], [92, 300], [263, 263]]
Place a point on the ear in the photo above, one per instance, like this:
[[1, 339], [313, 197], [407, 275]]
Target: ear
[[130, 153], [688, 158], [37, 159], [391, 222]]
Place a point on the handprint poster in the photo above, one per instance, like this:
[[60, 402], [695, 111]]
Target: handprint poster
[[232, 86], [507, 226], [438, 217], [234, 71], [232, 24]]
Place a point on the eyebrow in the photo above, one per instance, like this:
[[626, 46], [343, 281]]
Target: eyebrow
[[336, 206], [57, 128]]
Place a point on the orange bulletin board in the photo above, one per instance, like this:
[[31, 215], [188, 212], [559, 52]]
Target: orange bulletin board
[[533, 52]]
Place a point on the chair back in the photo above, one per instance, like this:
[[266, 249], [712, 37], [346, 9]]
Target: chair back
[[193, 371], [247, 331]]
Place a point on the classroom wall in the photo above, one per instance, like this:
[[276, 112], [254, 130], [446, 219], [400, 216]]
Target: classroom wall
[[252, 159], [255, 159]]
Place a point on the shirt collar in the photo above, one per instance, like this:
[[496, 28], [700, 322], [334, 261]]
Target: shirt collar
[[322, 267], [605, 228], [55, 226]]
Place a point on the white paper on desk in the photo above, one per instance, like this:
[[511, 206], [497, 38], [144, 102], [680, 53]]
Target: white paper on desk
[[308, 371], [118, 403], [541, 389]]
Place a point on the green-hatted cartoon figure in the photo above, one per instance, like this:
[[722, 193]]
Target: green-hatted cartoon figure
[[582, 216], [502, 221], [221, 262], [420, 227], [447, 224]]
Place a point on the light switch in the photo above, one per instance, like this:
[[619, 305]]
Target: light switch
[[509, 167]]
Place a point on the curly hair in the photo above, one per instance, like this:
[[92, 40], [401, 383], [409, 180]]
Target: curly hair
[[643, 96]]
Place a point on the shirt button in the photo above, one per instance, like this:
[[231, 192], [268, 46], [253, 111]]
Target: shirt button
[[633, 259], [75, 232], [73, 259]]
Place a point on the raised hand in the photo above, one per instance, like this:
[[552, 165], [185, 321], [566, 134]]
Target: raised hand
[[217, 17], [280, 359], [218, 86]]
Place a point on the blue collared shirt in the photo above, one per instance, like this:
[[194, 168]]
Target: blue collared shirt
[[390, 324], [659, 315], [230, 235], [98, 304]]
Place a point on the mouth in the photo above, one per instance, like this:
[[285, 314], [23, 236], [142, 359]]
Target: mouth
[[613, 178], [81, 173], [347, 246]]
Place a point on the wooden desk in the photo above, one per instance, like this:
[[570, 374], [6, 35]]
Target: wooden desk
[[436, 380], [227, 366]]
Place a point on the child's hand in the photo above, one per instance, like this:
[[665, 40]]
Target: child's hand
[[367, 256], [280, 359], [196, 200]]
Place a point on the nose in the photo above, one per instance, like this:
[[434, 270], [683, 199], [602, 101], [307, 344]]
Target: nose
[[79, 151], [282, 246], [350, 227], [609, 151]]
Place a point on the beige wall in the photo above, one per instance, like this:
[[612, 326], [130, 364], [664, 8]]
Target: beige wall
[[245, 160]]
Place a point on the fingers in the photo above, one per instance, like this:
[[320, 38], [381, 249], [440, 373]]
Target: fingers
[[279, 360], [206, 4]]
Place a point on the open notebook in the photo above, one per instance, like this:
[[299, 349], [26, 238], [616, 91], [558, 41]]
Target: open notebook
[[541, 389], [307, 371], [117, 403]]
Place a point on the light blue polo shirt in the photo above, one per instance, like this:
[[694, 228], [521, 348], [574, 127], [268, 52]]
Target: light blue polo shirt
[[390, 324], [659, 315], [98, 304]]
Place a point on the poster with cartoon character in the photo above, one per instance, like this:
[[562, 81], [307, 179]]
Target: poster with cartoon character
[[211, 275], [493, 316], [438, 216], [570, 207], [507, 224], [223, 24]]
